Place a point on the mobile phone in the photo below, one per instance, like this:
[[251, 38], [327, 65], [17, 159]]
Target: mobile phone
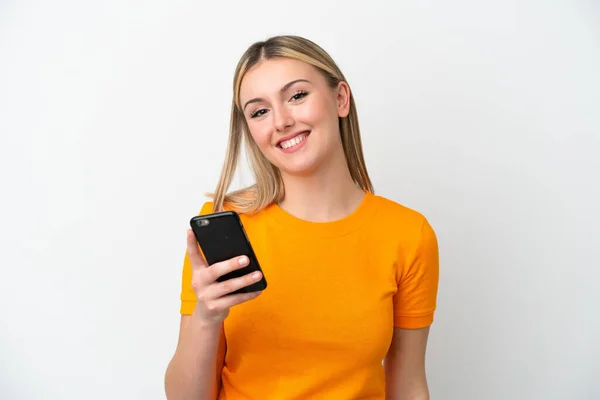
[[222, 236]]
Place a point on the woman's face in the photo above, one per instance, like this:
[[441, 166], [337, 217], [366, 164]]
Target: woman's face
[[293, 114]]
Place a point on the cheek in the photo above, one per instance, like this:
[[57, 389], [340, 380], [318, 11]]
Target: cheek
[[317, 113], [260, 134]]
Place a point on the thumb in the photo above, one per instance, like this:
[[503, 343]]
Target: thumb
[[193, 251]]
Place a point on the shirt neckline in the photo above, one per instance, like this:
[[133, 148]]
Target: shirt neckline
[[338, 227]]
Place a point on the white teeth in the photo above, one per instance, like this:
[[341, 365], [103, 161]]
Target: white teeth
[[293, 141]]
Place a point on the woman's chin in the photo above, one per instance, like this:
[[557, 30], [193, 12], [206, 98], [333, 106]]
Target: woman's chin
[[298, 169]]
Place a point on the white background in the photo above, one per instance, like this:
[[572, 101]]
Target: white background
[[484, 116]]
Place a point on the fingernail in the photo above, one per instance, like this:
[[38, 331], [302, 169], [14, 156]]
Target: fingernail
[[243, 260], [256, 275]]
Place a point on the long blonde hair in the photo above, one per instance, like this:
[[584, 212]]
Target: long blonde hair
[[269, 186]]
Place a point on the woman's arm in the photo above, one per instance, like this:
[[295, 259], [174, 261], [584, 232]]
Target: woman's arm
[[195, 370], [405, 377]]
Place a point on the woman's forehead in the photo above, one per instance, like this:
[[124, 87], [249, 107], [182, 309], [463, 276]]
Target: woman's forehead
[[272, 75]]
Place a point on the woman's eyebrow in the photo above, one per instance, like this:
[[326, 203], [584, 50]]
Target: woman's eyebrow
[[283, 89]]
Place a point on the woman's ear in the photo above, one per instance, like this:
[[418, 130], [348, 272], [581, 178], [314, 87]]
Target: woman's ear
[[343, 99]]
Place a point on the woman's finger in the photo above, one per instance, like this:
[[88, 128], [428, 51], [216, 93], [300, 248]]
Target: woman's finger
[[219, 269], [194, 252], [220, 289], [226, 302]]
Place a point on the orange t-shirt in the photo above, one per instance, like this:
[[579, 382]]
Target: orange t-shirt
[[335, 292]]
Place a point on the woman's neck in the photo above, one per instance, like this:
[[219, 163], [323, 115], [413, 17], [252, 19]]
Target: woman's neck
[[325, 196]]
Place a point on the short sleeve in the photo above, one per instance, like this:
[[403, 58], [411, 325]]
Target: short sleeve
[[188, 296], [415, 300]]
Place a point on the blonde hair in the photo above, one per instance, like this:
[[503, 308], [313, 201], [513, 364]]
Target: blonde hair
[[269, 186]]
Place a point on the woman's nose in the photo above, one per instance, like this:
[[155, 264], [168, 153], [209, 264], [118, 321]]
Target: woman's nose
[[282, 119]]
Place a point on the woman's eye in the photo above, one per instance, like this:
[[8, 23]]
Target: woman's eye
[[299, 95], [258, 113]]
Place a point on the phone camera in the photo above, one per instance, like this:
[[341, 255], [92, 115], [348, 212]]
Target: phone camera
[[202, 222]]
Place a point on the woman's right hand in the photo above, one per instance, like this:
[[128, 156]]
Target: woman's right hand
[[214, 298]]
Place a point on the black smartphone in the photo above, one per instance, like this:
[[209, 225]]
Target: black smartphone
[[222, 236]]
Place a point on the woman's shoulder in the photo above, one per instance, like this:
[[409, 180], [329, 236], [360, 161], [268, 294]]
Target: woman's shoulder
[[207, 208], [404, 223], [392, 210]]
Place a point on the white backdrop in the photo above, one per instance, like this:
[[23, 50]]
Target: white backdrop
[[484, 116]]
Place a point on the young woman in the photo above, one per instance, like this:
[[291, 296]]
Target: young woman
[[352, 276]]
